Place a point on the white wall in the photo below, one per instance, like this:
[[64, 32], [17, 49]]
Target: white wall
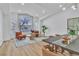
[[36, 23], [1, 32], [6, 22], [57, 24]]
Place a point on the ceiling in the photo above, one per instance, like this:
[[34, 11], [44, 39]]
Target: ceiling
[[35, 9]]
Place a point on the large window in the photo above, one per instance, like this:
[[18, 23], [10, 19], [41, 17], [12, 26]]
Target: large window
[[73, 25], [25, 22]]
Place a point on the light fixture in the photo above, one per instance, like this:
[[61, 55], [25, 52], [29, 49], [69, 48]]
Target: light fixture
[[60, 5], [74, 7], [64, 8]]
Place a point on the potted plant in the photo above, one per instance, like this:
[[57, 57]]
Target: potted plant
[[72, 32], [44, 28]]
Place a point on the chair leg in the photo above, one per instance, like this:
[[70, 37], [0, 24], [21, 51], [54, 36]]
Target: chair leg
[[56, 48], [62, 50], [52, 48]]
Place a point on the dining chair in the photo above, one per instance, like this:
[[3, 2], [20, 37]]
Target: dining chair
[[57, 48]]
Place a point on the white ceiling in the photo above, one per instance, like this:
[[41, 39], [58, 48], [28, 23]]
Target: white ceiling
[[35, 9]]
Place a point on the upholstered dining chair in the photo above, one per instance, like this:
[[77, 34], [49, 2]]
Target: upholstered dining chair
[[51, 46], [47, 52]]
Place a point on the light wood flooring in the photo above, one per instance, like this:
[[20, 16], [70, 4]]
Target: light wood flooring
[[8, 49]]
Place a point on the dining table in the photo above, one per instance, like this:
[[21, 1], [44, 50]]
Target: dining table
[[72, 47]]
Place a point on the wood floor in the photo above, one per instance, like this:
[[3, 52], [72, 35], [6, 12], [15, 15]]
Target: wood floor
[[8, 49]]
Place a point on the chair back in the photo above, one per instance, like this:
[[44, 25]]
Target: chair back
[[18, 33]]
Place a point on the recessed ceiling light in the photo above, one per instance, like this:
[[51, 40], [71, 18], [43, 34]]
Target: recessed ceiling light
[[63, 8], [60, 5], [73, 7]]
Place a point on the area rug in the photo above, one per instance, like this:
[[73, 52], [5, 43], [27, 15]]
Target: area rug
[[27, 41], [23, 42]]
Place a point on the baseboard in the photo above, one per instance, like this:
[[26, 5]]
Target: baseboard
[[8, 39]]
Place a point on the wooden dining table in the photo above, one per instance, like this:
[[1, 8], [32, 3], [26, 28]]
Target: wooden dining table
[[72, 48]]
